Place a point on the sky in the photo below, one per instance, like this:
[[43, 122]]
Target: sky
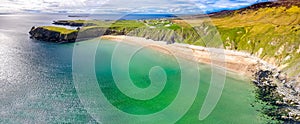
[[121, 6]]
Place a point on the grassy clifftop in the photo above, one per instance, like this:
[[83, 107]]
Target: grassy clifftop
[[59, 29], [272, 34]]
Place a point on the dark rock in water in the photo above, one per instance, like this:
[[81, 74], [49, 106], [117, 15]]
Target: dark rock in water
[[72, 23], [61, 22], [69, 23], [78, 16]]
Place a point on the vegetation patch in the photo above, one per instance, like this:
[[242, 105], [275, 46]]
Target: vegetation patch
[[61, 30]]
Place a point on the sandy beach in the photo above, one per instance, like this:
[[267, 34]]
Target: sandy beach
[[239, 62]]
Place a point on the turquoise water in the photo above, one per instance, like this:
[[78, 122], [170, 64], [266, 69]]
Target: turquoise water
[[233, 107]]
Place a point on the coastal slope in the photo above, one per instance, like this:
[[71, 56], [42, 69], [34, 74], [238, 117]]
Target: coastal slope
[[269, 30]]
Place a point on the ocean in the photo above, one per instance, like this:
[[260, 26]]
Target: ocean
[[37, 81]]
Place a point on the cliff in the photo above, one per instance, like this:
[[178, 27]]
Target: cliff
[[53, 34]]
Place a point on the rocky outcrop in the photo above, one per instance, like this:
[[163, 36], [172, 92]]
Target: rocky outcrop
[[65, 22], [275, 89], [44, 34]]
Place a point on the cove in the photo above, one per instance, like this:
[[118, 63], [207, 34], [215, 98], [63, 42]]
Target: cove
[[234, 106]]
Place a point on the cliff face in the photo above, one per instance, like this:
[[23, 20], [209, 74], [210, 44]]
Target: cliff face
[[170, 36], [42, 33], [45, 34]]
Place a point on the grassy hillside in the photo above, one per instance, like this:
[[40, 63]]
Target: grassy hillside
[[271, 33]]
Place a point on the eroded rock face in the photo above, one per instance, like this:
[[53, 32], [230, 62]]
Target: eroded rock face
[[170, 36], [41, 33], [285, 98]]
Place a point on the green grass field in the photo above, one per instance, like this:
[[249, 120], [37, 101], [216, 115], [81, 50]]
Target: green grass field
[[59, 29]]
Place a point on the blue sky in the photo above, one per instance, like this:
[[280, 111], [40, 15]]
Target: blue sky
[[120, 6]]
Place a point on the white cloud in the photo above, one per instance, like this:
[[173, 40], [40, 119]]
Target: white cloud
[[119, 6]]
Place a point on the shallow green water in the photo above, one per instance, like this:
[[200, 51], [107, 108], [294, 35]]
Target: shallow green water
[[233, 107]]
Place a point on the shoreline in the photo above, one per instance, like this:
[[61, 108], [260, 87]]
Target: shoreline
[[269, 79], [234, 61]]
